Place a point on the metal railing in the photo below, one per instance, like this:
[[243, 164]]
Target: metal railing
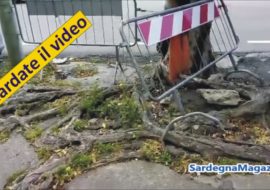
[[38, 19], [223, 40]]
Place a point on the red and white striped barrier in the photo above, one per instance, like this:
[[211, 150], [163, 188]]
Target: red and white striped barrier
[[158, 29]]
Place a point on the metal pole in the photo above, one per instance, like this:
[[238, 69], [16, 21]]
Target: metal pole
[[178, 101], [10, 32]]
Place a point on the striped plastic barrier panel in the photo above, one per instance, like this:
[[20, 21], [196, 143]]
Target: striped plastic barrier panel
[[158, 29]]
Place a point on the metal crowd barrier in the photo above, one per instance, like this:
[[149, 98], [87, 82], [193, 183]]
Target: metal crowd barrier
[[38, 19], [223, 39]]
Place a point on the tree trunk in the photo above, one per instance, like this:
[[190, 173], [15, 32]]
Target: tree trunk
[[198, 50]]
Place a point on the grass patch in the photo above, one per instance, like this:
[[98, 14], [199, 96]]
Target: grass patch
[[4, 136], [81, 161], [47, 76], [64, 174], [104, 149], [107, 148], [227, 161], [84, 71], [91, 101], [43, 154], [80, 125], [165, 158], [125, 110], [33, 133], [62, 104], [153, 151], [55, 130], [181, 164], [78, 163], [14, 176]]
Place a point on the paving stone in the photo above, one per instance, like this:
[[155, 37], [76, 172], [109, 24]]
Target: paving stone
[[15, 155]]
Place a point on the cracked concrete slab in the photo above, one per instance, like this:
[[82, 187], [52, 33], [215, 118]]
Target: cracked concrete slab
[[135, 175], [104, 76], [236, 182], [15, 155]]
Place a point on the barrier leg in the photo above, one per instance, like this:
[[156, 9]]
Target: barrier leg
[[170, 125], [257, 77], [118, 63], [237, 70], [233, 62], [178, 100]]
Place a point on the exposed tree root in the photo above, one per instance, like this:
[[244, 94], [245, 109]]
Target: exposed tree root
[[28, 100], [218, 82], [40, 89], [30, 179], [41, 116], [257, 99], [34, 179], [8, 109], [213, 147], [177, 143], [66, 119], [120, 158], [37, 97]]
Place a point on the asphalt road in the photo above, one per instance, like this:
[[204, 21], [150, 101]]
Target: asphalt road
[[250, 19]]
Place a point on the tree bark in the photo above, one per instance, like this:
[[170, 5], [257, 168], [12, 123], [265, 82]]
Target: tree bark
[[199, 47]]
